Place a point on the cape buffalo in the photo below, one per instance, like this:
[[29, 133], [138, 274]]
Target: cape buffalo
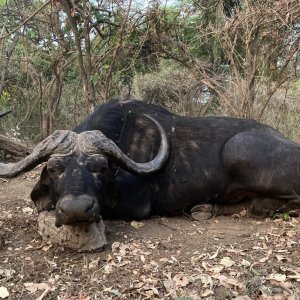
[[132, 160]]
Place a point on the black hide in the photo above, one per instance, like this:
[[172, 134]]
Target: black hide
[[213, 160]]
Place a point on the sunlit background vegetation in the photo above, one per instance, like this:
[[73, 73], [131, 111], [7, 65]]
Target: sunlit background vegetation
[[59, 59]]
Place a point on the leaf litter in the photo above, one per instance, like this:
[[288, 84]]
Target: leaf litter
[[169, 258]]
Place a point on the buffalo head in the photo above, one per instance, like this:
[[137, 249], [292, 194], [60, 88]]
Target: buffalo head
[[77, 169]]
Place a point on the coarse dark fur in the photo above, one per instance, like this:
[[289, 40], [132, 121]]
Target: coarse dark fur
[[220, 161]]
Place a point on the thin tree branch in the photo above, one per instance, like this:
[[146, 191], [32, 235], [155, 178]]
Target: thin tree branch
[[24, 22]]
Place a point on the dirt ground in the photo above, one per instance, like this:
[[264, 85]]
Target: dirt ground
[[167, 258]]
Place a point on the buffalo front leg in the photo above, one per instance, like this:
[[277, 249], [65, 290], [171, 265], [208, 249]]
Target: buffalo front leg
[[206, 211]]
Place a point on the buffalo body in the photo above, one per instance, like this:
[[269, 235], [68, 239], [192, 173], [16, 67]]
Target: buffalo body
[[214, 165]]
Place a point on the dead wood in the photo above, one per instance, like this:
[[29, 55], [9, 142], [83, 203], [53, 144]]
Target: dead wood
[[14, 148]]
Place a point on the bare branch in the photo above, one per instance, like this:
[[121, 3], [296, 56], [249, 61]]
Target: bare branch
[[25, 21]]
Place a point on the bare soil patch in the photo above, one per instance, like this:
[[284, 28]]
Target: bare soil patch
[[160, 258]]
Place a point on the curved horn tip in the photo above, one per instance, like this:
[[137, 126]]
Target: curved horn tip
[[58, 141], [110, 148]]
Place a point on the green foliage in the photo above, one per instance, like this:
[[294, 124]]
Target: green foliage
[[286, 216], [152, 56], [32, 34], [5, 100], [208, 48], [41, 64]]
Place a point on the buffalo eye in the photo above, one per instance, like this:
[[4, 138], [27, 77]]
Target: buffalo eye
[[55, 167], [97, 165]]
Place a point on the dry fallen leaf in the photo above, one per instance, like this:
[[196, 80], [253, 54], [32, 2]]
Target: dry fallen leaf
[[206, 293], [3, 292], [113, 291], [163, 259], [7, 273], [93, 263], [136, 225], [227, 262], [180, 280], [286, 286], [109, 257], [213, 269], [275, 297], [33, 287], [228, 282], [238, 251], [46, 247], [277, 277], [45, 292], [245, 263], [264, 259], [108, 269], [215, 254], [280, 257], [27, 210], [169, 285], [206, 280], [296, 276]]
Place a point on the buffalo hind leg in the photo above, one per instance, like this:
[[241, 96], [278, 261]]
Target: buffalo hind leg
[[257, 208], [268, 207], [206, 211]]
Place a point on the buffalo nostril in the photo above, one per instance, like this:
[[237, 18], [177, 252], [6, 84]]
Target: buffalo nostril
[[60, 210]]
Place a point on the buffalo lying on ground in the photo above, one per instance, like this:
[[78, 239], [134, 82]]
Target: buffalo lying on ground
[[133, 160]]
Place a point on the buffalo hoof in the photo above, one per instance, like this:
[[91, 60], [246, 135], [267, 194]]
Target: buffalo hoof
[[202, 212]]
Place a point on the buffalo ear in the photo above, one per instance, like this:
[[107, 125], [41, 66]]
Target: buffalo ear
[[112, 195], [112, 192], [42, 193]]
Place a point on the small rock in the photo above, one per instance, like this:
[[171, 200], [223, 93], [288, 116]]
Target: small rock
[[83, 237]]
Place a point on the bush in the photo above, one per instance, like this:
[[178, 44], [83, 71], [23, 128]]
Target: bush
[[174, 88]]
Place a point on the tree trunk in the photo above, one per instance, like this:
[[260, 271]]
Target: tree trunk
[[6, 55], [45, 124], [85, 68]]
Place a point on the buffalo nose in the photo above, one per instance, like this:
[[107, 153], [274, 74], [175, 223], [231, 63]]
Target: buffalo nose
[[74, 209]]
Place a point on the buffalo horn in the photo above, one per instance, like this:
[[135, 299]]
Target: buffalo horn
[[60, 141], [103, 145], [65, 142]]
